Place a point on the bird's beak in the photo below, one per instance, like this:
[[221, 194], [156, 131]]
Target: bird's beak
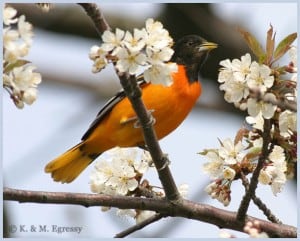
[[208, 46]]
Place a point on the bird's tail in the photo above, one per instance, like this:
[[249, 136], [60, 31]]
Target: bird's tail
[[69, 165]]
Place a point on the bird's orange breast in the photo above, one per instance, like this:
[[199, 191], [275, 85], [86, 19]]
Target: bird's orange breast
[[169, 105]]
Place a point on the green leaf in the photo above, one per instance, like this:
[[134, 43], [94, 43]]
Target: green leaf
[[270, 44], [240, 135], [205, 151], [253, 153], [253, 44], [284, 46], [18, 63]]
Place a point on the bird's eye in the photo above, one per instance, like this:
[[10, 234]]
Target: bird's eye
[[189, 43]]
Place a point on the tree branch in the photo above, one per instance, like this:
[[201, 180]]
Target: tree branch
[[263, 207], [133, 92], [93, 11], [138, 226], [250, 193], [160, 160], [185, 208]]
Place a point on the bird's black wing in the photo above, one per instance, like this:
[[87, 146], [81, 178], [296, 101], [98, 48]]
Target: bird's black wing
[[108, 107]]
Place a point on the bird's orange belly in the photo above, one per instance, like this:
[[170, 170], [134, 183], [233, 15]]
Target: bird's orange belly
[[121, 127]]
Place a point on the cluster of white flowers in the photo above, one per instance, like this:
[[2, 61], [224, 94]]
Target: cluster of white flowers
[[240, 77], [274, 172], [149, 48], [254, 230], [231, 158], [121, 173], [221, 167], [256, 87], [251, 227], [222, 159], [19, 78]]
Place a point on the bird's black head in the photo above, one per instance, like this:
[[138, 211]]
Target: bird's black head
[[192, 51]]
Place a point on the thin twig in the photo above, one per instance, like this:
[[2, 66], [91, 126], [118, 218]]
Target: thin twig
[[185, 209], [138, 226], [97, 17], [259, 203], [243, 208]]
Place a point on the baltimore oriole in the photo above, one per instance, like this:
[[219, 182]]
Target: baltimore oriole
[[115, 124]]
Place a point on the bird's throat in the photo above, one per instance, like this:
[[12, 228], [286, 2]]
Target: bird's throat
[[192, 72]]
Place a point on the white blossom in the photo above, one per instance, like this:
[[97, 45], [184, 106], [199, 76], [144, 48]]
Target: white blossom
[[25, 30], [225, 234], [141, 166], [226, 72], [267, 109], [112, 41], [215, 165], [228, 173], [221, 161], [119, 173], [126, 213], [160, 73], [241, 68], [294, 78], [233, 76], [294, 63], [183, 190], [259, 77], [293, 56], [137, 41], [13, 47], [8, 15], [158, 37], [19, 78], [235, 90], [257, 122], [254, 230], [99, 64], [23, 82], [123, 179], [157, 57], [146, 49], [25, 78], [274, 173], [287, 122], [230, 152], [239, 76], [129, 61], [98, 55]]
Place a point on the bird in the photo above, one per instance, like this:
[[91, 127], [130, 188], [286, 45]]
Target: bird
[[116, 123]]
